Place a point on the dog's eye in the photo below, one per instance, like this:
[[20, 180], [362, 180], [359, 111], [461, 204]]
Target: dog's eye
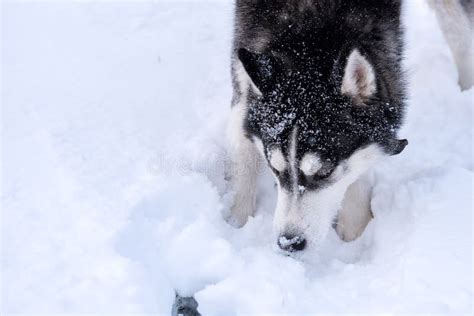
[[320, 177], [324, 172], [276, 172], [317, 177]]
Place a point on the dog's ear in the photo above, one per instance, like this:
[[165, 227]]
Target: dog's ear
[[261, 68], [359, 81], [396, 146]]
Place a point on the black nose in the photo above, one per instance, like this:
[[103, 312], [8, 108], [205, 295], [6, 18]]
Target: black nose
[[291, 243]]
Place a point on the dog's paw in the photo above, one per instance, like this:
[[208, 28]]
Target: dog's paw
[[349, 229], [345, 234], [240, 213], [236, 221], [238, 218]]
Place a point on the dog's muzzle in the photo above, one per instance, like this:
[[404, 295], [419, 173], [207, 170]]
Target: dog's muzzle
[[291, 243]]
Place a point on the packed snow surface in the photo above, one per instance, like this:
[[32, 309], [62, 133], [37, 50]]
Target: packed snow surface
[[113, 187]]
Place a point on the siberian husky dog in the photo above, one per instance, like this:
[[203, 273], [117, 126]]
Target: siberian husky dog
[[456, 19], [319, 95]]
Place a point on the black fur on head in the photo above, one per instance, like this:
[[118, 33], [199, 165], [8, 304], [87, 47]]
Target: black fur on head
[[296, 54]]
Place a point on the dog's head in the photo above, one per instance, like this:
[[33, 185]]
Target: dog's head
[[320, 126]]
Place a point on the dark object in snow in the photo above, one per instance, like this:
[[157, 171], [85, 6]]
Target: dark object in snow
[[185, 306]]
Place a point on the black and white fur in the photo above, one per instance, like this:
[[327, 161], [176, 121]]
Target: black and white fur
[[319, 95]]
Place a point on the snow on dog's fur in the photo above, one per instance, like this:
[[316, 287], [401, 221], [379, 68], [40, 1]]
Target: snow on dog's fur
[[319, 94]]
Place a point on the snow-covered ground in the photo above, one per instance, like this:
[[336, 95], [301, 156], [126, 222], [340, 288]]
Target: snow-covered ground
[[113, 119]]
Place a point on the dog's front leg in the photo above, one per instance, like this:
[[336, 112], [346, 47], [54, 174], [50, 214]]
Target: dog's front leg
[[245, 168], [355, 213]]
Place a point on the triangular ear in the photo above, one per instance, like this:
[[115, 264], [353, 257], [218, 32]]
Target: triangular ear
[[359, 81], [261, 69]]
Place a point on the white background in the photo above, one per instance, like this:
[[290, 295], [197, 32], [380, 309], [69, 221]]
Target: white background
[[113, 119]]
